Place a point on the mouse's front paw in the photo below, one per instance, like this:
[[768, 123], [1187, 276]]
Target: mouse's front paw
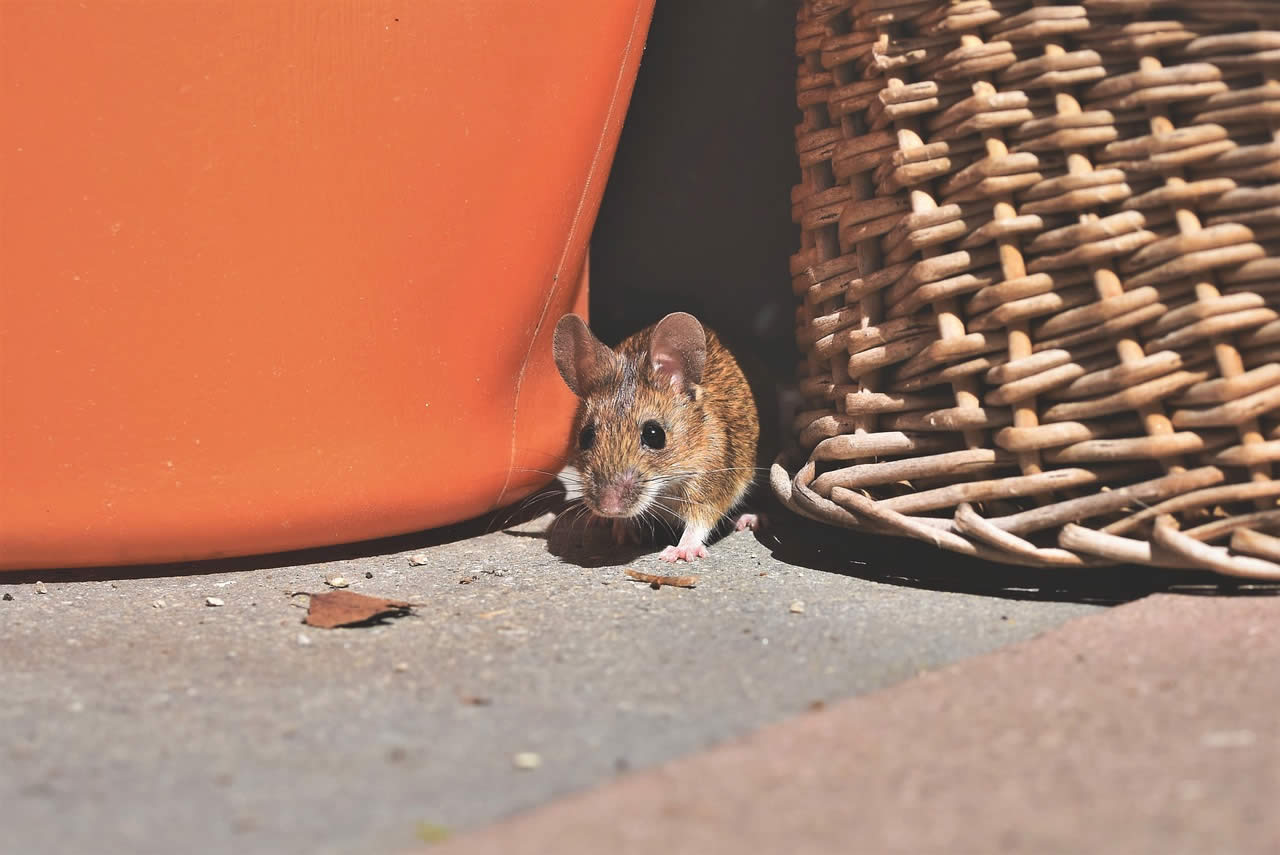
[[673, 554]]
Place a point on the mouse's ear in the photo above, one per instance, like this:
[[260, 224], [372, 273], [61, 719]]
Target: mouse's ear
[[580, 356], [678, 350]]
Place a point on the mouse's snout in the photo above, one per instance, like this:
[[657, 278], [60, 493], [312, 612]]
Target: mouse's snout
[[617, 496]]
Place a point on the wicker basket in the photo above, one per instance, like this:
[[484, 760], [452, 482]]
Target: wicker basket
[[1040, 259]]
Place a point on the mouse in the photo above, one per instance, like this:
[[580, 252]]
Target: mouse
[[666, 429]]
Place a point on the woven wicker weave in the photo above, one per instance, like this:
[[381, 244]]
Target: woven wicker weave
[[1040, 260]]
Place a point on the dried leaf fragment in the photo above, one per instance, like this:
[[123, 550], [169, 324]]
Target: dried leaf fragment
[[430, 832], [345, 608], [658, 581]]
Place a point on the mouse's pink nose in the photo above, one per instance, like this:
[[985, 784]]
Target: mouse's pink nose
[[618, 495]]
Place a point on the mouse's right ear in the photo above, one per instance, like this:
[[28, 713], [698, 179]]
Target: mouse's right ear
[[580, 356]]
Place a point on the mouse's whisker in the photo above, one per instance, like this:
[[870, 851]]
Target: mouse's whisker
[[571, 514]]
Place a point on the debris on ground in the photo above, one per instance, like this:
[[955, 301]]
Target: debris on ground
[[347, 608], [303, 639], [157, 604], [336, 581], [797, 607], [430, 832], [400, 667], [657, 581], [8, 597], [418, 559], [526, 761], [475, 700], [41, 589], [214, 601]]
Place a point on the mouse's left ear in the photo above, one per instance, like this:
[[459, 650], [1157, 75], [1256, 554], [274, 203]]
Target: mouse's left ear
[[678, 350]]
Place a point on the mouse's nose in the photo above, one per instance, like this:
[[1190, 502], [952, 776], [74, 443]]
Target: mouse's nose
[[618, 495]]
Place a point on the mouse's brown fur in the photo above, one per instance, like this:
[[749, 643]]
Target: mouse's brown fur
[[678, 375]]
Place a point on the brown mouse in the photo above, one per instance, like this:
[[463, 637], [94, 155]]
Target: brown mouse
[[666, 428]]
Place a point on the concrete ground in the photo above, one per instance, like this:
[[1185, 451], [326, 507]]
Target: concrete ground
[[136, 718], [1149, 729]]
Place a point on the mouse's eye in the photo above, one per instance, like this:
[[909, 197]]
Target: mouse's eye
[[652, 435], [587, 437]]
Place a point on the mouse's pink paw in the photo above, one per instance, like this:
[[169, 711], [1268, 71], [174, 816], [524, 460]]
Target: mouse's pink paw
[[755, 522], [683, 553]]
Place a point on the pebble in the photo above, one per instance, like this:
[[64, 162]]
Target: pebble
[[303, 639], [214, 601], [526, 760], [797, 607], [336, 581], [1228, 739], [41, 589], [368, 574], [400, 666], [418, 559], [157, 604], [7, 597]]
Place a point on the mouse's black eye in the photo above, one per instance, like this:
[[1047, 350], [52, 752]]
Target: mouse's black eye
[[652, 435], [587, 437]]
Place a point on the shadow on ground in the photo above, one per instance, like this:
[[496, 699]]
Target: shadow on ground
[[576, 539], [901, 561], [513, 515]]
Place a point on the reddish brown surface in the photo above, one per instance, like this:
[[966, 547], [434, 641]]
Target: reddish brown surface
[[278, 274], [1151, 728], [345, 608]]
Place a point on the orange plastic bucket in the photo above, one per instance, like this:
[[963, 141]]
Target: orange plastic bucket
[[283, 274]]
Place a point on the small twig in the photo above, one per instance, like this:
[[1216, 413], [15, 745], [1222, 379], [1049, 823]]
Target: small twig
[[659, 581]]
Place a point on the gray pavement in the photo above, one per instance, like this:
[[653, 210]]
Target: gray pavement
[[136, 718], [1150, 729]]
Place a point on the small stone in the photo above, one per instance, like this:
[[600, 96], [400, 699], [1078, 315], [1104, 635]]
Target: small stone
[[303, 639], [8, 597], [157, 604], [336, 582], [526, 761], [214, 601], [400, 667], [797, 607], [418, 559], [1228, 739], [41, 589], [368, 575]]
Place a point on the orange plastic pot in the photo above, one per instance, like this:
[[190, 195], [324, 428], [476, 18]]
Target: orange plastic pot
[[283, 274]]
